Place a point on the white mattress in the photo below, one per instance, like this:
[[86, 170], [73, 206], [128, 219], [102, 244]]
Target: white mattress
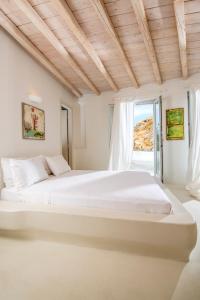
[[124, 191]]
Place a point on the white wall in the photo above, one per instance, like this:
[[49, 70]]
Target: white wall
[[21, 75], [94, 152]]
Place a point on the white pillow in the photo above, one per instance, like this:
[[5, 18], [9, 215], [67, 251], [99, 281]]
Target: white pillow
[[58, 165], [27, 172], [46, 166], [1, 179], [7, 173]]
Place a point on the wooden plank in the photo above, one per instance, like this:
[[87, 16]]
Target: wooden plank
[[194, 51], [159, 24], [172, 75], [78, 5], [172, 40], [48, 34], [172, 57], [144, 29], [193, 18], [127, 30], [37, 2], [164, 33], [194, 70], [160, 12], [192, 37], [192, 6], [193, 28], [31, 49], [166, 67], [105, 20], [193, 63], [84, 15], [131, 39], [180, 23], [118, 7], [193, 45], [168, 48], [156, 3], [73, 48], [18, 18], [195, 56], [8, 7], [46, 9], [122, 20], [64, 11]]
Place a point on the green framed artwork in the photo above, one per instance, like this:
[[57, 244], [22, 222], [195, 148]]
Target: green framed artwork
[[175, 124], [33, 122]]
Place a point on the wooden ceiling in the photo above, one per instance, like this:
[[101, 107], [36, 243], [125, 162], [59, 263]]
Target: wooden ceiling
[[95, 45]]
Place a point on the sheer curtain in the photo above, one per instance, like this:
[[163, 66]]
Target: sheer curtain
[[122, 136], [194, 155]]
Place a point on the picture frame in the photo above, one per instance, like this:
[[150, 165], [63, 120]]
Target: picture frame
[[175, 124], [33, 122]]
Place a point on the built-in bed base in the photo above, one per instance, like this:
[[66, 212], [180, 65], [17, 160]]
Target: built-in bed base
[[171, 236]]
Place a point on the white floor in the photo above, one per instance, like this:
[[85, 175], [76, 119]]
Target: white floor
[[143, 161], [46, 270]]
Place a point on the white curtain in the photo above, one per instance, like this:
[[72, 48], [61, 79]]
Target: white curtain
[[122, 137], [194, 155]]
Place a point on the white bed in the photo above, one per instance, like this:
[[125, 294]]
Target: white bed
[[123, 191], [122, 210]]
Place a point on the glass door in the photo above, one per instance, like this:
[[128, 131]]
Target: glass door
[[143, 137], [158, 139]]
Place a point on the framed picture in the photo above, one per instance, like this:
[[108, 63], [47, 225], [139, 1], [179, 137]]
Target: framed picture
[[33, 122], [175, 124]]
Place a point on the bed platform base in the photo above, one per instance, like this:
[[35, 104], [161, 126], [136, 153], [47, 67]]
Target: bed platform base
[[170, 236]]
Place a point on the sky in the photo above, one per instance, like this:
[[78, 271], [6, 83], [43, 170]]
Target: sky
[[142, 112]]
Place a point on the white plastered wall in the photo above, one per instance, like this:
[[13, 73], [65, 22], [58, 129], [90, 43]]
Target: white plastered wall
[[94, 130], [20, 76]]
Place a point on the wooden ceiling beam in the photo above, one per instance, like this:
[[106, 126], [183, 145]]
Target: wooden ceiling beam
[[139, 10], [180, 24], [67, 15], [105, 20], [33, 16], [31, 49]]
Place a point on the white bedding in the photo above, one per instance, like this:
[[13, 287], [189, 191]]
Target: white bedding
[[124, 191]]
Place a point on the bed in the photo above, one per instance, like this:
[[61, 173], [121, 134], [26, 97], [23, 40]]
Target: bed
[[124, 191], [126, 210]]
